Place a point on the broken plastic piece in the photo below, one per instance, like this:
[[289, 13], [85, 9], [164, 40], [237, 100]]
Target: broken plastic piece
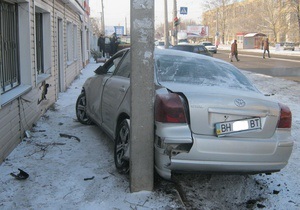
[[21, 175]]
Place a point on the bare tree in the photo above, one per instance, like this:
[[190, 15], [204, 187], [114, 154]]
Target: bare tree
[[95, 23], [292, 11], [272, 20], [221, 8]]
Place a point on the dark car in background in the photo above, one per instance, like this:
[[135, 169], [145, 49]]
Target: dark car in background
[[200, 49], [289, 46]]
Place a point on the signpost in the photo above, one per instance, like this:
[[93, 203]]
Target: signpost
[[183, 10]]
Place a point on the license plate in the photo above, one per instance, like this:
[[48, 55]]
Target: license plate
[[224, 128]]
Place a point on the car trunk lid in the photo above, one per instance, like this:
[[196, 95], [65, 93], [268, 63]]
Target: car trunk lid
[[210, 108]]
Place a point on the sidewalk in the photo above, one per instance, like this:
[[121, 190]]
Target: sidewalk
[[273, 50], [70, 173]]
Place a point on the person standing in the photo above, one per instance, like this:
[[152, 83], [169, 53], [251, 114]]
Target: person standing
[[102, 44], [266, 48], [114, 44], [107, 47], [98, 42], [234, 51]]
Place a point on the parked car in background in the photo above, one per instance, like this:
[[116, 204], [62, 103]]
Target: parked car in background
[[289, 46], [161, 44], [124, 42], [200, 49], [183, 41], [208, 116], [211, 48]]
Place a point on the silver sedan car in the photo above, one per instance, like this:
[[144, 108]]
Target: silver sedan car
[[208, 116]]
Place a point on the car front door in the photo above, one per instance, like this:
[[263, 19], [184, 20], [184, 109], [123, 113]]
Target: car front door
[[96, 86], [114, 92]]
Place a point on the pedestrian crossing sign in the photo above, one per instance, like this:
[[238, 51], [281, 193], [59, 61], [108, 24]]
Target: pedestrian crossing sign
[[183, 10]]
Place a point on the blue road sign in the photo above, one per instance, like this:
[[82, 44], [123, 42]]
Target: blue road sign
[[183, 10]]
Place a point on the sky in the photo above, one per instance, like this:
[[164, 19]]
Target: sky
[[65, 173], [116, 11]]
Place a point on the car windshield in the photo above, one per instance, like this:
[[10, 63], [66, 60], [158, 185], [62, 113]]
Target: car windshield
[[207, 44], [199, 71], [289, 44]]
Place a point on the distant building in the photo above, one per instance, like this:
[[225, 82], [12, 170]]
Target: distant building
[[44, 46], [253, 40], [251, 15]]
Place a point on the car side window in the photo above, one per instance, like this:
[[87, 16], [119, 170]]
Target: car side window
[[124, 68], [111, 67], [201, 49]]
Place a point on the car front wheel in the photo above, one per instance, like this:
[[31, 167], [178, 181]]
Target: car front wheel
[[81, 110], [121, 150]]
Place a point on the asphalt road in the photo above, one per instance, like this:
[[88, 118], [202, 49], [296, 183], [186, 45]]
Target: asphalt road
[[284, 66]]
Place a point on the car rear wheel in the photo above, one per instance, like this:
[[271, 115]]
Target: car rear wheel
[[121, 150], [81, 110]]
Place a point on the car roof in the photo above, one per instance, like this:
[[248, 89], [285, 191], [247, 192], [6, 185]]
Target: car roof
[[192, 45], [183, 54]]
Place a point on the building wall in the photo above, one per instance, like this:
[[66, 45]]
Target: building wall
[[25, 104]]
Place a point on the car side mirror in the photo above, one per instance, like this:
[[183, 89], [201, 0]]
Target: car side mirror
[[100, 70]]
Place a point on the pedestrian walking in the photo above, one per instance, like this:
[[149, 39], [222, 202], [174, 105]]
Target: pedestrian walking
[[266, 48], [234, 51]]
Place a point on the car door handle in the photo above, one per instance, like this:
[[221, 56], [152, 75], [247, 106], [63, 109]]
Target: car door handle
[[122, 89]]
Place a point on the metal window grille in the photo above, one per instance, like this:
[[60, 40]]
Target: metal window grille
[[9, 62], [39, 43]]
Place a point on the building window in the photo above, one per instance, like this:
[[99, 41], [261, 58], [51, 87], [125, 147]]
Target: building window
[[71, 42], [39, 43], [75, 41], [42, 43], [9, 62]]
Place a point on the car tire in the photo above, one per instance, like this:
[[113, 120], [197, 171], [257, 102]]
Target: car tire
[[81, 110], [121, 148]]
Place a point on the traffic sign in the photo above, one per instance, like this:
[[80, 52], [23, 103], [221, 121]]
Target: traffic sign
[[183, 10]]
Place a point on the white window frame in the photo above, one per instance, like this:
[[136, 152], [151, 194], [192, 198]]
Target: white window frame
[[46, 41], [70, 55], [75, 48]]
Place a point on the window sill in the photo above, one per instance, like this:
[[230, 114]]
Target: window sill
[[42, 77], [13, 94], [71, 62]]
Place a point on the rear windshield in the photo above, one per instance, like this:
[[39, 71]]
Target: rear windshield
[[200, 71], [183, 47]]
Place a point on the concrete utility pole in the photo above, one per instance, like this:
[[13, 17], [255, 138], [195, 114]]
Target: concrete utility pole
[[166, 28], [142, 95], [102, 19]]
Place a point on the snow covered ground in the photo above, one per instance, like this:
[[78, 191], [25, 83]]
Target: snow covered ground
[[69, 173]]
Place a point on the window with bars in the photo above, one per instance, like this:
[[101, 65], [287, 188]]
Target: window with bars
[[9, 62]]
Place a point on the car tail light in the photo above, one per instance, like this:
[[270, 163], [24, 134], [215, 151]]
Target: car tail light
[[169, 109], [285, 120]]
